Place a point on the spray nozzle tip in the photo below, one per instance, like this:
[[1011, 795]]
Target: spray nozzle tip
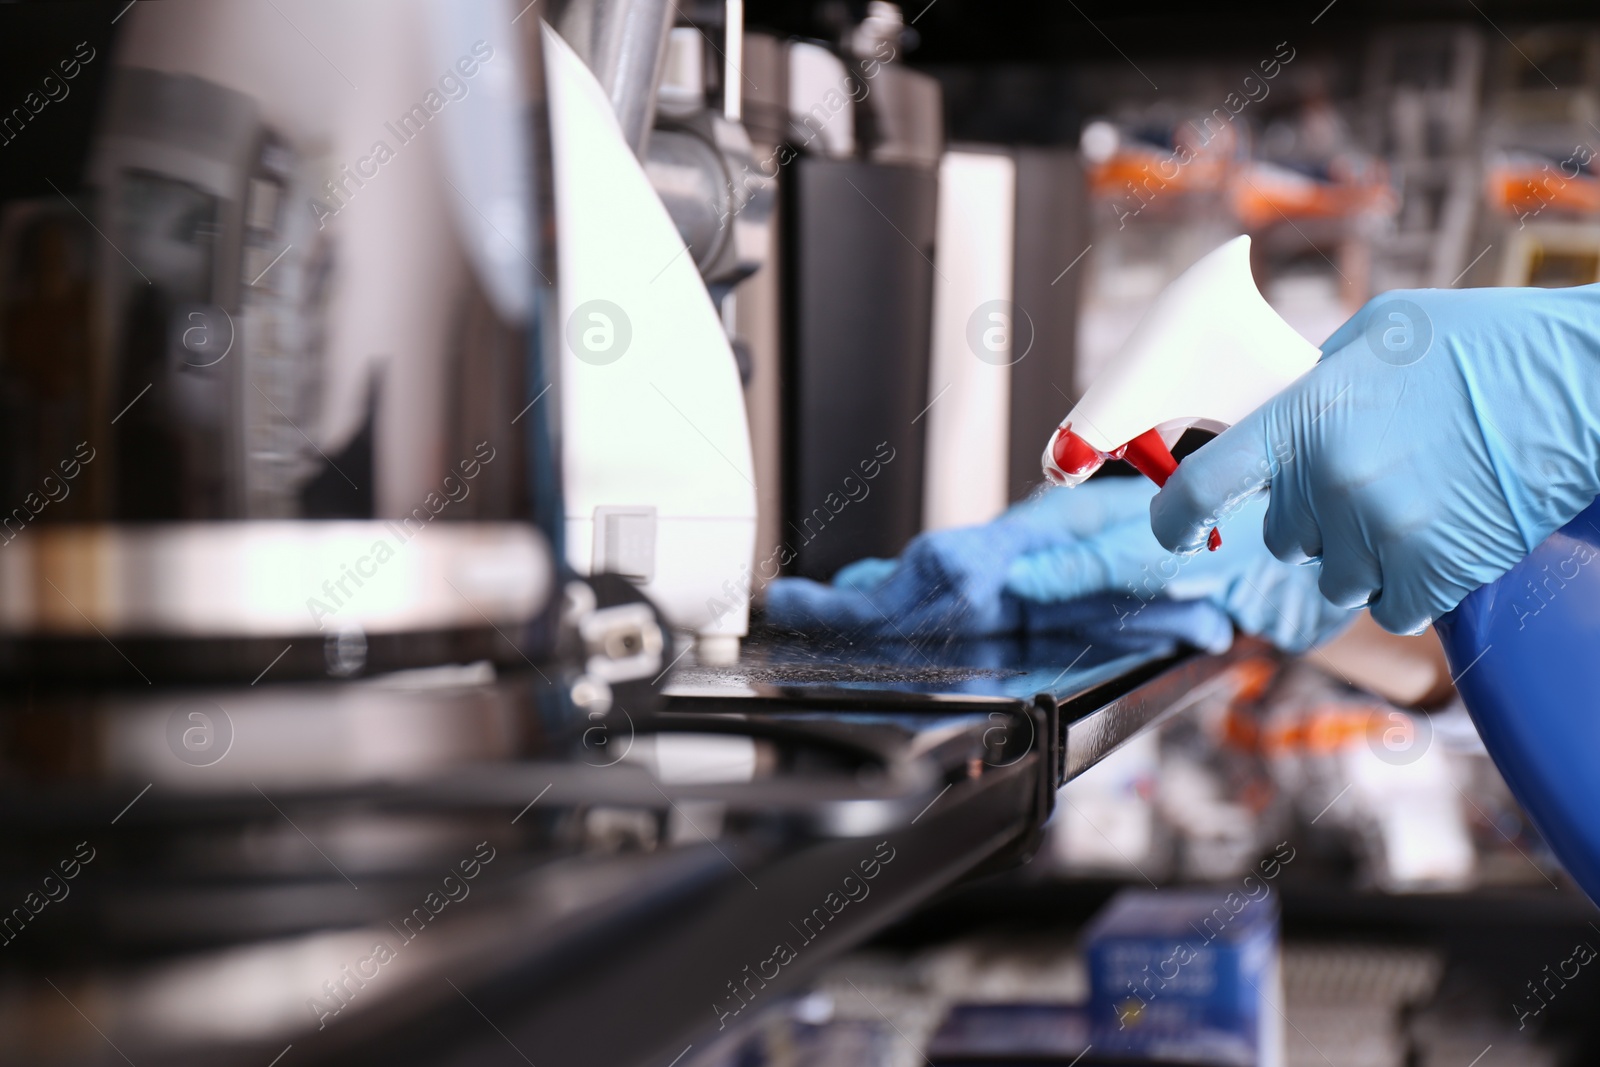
[[1070, 459]]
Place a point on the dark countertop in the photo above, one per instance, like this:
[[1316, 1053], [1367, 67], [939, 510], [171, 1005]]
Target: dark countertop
[[617, 888]]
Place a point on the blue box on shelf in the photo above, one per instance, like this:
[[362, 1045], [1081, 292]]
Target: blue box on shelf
[[1187, 976]]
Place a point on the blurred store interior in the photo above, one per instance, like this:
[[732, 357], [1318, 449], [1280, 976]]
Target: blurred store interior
[[400, 689]]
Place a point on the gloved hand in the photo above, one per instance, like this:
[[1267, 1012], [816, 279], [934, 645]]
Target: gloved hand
[[1032, 570], [1442, 437], [945, 582]]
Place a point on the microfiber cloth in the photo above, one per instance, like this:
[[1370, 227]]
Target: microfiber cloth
[[1079, 562], [898, 608]]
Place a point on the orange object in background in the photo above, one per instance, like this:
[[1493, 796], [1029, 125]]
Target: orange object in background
[[1143, 169], [1259, 193], [1264, 193], [1139, 171], [1525, 185], [1241, 727], [1320, 730]]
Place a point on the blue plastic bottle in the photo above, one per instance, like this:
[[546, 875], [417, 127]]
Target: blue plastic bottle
[[1525, 653]]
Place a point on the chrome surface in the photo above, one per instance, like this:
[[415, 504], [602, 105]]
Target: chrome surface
[[703, 167], [932, 675], [701, 161], [623, 643], [270, 578], [692, 181], [1201, 679], [623, 42], [910, 118], [310, 250]]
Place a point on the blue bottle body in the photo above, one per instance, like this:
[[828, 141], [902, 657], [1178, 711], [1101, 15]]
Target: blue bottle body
[[1525, 653]]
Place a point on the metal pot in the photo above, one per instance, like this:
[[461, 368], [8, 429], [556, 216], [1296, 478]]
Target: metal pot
[[271, 367]]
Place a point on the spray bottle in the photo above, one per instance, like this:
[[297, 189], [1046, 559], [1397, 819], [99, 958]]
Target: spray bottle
[[1532, 690], [1209, 351]]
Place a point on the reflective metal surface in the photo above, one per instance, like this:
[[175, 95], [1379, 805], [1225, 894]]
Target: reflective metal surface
[[245, 850], [1090, 737], [813, 668], [269, 366], [1098, 694], [704, 169], [269, 578], [623, 42]]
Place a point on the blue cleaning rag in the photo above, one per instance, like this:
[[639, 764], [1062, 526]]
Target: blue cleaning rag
[[1079, 562]]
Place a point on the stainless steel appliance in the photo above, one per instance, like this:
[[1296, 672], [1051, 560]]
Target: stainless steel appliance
[[273, 362]]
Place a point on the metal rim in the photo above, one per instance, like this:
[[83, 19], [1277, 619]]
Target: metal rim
[[269, 578]]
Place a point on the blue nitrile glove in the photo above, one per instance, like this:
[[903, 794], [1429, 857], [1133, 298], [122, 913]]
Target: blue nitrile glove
[[1442, 437], [1261, 595], [1067, 560]]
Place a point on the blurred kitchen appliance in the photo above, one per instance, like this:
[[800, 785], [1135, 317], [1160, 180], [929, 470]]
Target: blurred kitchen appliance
[[858, 179], [1012, 230], [661, 81], [1540, 179], [505, 811], [623, 42], [702, 163], [303, 420], [754, 309], [658, 474], [1552, 254], [511, 867]]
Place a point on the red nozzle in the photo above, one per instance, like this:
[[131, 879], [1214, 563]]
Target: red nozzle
[[1073, 454], [1150, 457]]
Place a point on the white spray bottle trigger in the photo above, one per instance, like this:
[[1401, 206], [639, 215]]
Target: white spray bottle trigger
[[1209, 351]]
